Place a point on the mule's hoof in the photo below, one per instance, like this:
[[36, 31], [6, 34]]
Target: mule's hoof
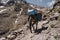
[[31, 32]]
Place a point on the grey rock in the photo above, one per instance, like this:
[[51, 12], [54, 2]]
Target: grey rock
[[3, 38], [51, 38]]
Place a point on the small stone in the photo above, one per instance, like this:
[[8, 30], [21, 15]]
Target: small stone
[[11, 36]]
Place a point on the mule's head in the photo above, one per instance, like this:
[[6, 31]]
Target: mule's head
[[39, 12]]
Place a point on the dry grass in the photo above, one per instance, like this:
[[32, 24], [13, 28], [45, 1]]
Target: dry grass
[[58, 18], [52, 26]]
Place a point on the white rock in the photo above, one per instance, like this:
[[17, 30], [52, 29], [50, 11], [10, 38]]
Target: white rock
[[3, 38], [11, 36], [2, 10], [1, 6]]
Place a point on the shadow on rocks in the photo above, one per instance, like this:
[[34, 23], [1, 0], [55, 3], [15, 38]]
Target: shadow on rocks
[[40, 30]]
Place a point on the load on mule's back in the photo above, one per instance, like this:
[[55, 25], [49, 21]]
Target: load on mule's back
[[33, 18], [31, 12]]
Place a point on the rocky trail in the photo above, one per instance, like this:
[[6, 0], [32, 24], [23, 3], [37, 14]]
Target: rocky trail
[[14, 25], [47, 30], [43, 33], [31, 36]]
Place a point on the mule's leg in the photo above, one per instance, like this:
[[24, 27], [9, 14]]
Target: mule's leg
[[36, 25], [30, 24], [33, 27]]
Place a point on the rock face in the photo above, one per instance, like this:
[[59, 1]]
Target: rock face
[[8, 18], [5, 22]]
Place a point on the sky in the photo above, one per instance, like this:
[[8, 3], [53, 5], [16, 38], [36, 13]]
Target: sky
[[45, 3]]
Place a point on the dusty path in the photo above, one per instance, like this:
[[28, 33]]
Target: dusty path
[[44, 34], [33, 36]]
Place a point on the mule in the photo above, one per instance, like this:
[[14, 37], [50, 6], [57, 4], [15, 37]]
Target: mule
[[34, 19]]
